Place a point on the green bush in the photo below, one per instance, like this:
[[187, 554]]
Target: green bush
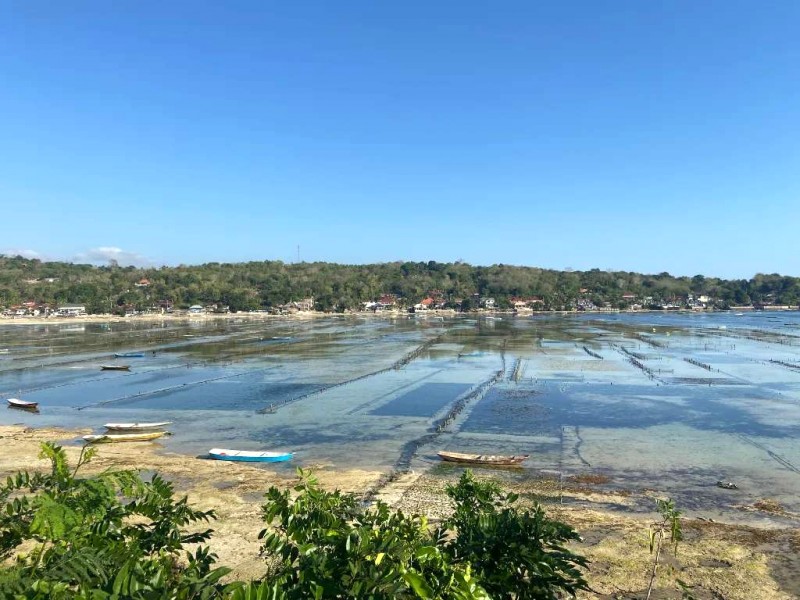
[[104, 537], [332, 547], [114, 536], [513, 553]]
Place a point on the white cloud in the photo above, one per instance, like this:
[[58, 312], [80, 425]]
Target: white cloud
[[22, 252], [107, 254]]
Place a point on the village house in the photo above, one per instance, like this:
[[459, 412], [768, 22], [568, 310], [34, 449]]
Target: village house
[[529, 303], [438, 298], [307, 304], [423, 305], [385, 302], [71, 310], [487, 302], [218, 308], [142, 283]]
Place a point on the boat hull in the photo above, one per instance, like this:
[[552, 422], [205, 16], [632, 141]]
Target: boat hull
[[109, 438], [23, 404], [136, 426], [245, 456], [483, 459], [129, 355], [115, 367]]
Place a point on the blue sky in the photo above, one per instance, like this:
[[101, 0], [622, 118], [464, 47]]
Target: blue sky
[[643, 136]]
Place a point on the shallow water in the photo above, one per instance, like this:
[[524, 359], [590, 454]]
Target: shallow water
[[713, 396]]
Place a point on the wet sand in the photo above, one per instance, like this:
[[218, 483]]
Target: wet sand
[[718, 560]]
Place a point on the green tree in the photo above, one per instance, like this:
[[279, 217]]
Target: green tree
[[108, 536]]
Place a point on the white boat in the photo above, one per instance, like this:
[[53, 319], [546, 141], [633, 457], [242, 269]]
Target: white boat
[[249, 456], [123, 437], [26, 404], [136, 426]]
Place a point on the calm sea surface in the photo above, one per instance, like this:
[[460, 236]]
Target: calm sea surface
[[672, 402]]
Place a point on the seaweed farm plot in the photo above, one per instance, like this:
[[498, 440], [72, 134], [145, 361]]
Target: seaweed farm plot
[[555, 404], [122, 385], [424, 401], [511, 411], [713, 396], [248, 392]]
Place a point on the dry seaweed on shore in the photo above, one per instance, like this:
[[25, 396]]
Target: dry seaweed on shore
[[593, 478]]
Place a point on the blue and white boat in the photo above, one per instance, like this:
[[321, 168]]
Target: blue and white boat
[[249, 456], [129, 354]]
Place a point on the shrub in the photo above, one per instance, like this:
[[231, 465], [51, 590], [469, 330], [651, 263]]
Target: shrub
[[108, 536], [513, 553], [114, 536]]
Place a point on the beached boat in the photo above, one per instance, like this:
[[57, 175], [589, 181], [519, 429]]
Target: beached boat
[[129, 354], [136, 426], [249, 456], [483, 459], [123, 437], [23, 404], [115, 367]]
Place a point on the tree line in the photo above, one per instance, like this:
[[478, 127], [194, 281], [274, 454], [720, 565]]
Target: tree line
[[336, 287]]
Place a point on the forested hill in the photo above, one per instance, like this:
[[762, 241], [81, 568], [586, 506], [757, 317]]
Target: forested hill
[[258, 285]]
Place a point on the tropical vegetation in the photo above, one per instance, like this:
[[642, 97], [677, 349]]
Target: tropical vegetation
[[334, 287], [116, 536]]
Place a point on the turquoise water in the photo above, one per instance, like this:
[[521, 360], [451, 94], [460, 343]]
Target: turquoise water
[[370, 392]]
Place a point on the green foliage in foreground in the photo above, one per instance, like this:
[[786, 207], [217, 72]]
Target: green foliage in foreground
[[104, 537], [114, 536]]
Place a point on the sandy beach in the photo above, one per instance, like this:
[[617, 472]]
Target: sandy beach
[[718, 560]]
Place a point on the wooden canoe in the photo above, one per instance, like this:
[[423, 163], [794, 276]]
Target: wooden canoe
[[136, 426], [123, 437], [23, 404], [483, 459], [115, 367], [249, 456]]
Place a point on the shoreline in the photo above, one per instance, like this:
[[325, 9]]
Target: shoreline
[[304, 315], [737, 562]]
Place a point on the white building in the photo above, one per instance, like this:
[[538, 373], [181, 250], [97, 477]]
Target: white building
[[71, 310]]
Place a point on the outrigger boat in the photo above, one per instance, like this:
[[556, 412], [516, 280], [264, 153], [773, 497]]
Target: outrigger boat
[[129, 354], [115, 367], [136, 426], [123, 437], [248, 456], [23, 404], [483, 459]]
